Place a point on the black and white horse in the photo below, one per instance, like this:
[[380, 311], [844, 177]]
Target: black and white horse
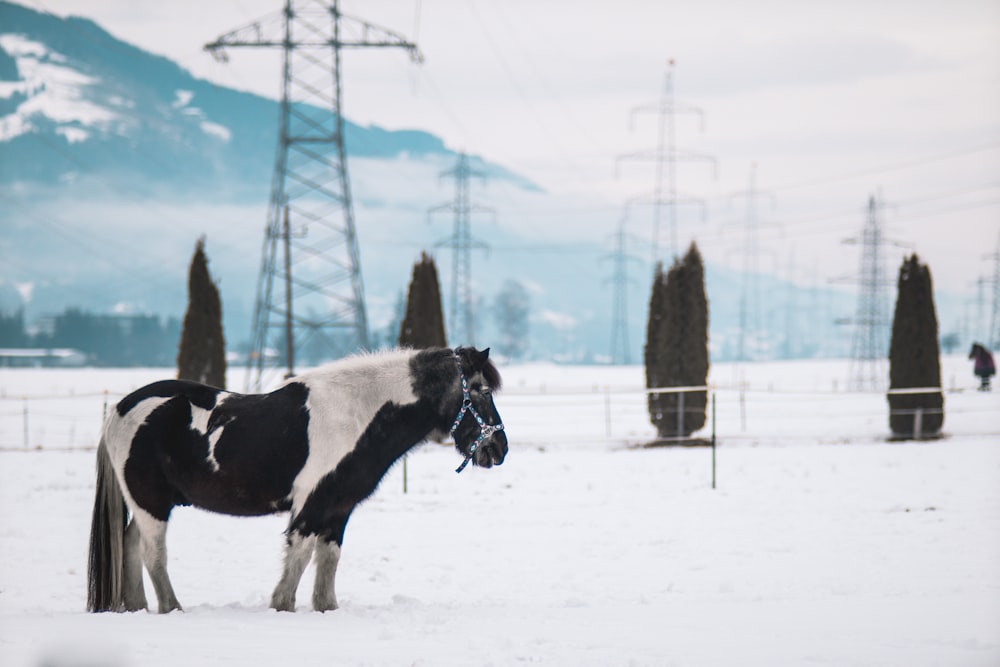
[[316, 446]]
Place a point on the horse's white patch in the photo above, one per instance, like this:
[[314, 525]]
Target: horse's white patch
[[119, 430], [343, 399], [199, 419], [199, 423]]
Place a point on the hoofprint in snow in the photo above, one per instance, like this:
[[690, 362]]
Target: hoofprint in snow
[[822, 543]]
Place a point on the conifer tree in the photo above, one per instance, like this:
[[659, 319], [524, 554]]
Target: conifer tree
[[677, 346], [423, 324], [914, 354], [201, 354], [652, 351]]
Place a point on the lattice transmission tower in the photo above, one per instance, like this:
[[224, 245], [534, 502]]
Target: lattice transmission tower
[[993, 330], [870, 342], [666, 156], [753, 331], [620, 352], [310, 292], [461, 318]]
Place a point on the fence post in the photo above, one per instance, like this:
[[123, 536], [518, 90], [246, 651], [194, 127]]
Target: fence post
[[607, 411], [26, 437], [713, 439], [680, 414], [743, 406]]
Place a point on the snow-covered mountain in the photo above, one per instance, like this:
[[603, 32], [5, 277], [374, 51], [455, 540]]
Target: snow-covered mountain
[[75, 101]]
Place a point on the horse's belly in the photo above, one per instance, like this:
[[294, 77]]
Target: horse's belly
[[220, 493]]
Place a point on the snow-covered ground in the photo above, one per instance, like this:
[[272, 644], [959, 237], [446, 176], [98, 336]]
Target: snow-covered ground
[[822, 544]]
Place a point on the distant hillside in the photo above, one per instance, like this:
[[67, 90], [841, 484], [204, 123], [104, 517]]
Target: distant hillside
[[77, 102]]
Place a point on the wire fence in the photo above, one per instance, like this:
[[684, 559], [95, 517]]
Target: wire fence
[[581, 416]]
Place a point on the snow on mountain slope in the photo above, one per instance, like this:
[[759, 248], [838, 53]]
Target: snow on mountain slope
[[52, 89]]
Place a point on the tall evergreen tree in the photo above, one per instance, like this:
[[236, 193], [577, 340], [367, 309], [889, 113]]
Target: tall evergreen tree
[[201, 354], [677, 346], [652, 351], [914, 355], [423, 324]]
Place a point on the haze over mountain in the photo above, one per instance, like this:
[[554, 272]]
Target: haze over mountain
[[115, 160]]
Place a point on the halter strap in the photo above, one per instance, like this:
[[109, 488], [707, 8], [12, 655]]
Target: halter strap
[[485, 430]]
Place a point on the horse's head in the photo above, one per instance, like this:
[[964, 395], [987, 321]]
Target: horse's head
[[478, 430]]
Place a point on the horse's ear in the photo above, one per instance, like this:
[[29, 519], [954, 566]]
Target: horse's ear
[[479, 359]]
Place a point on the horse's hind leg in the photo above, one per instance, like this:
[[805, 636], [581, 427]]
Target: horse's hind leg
[[298, 551], [132, 589], [153, 547], [327, 557]]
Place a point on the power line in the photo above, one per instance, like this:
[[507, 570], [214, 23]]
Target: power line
[[898, 166], [547, 132]]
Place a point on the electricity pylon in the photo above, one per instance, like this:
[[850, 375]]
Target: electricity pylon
[[792, 343], [751, 320], [665, 156], [461, 321], [620, 353], [993, 330], [870, 343], [310, 240]]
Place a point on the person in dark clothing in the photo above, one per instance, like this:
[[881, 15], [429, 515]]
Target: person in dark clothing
[[984, 367]]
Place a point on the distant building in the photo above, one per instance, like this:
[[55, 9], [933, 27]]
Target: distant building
[[34, 357]]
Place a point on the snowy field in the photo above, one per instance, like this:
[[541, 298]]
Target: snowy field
[[823, 544]]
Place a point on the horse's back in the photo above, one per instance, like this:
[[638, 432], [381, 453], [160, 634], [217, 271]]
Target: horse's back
[[198, 394]]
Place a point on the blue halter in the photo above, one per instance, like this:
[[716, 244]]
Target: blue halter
[[485, 430]]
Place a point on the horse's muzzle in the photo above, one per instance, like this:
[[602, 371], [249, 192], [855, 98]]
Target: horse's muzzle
[[492, 452]]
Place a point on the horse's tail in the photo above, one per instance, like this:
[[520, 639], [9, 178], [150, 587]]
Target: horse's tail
[[106, 564]]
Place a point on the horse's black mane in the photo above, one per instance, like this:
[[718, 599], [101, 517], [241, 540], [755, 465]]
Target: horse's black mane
[[492, 375]]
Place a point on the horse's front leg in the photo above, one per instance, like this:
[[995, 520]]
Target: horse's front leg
[[327, 557], [298, 551]]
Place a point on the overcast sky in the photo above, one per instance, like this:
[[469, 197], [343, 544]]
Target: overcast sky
[[833, 101]]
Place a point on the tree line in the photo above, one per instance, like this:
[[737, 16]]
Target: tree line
[[106, 340], [198, 346]]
